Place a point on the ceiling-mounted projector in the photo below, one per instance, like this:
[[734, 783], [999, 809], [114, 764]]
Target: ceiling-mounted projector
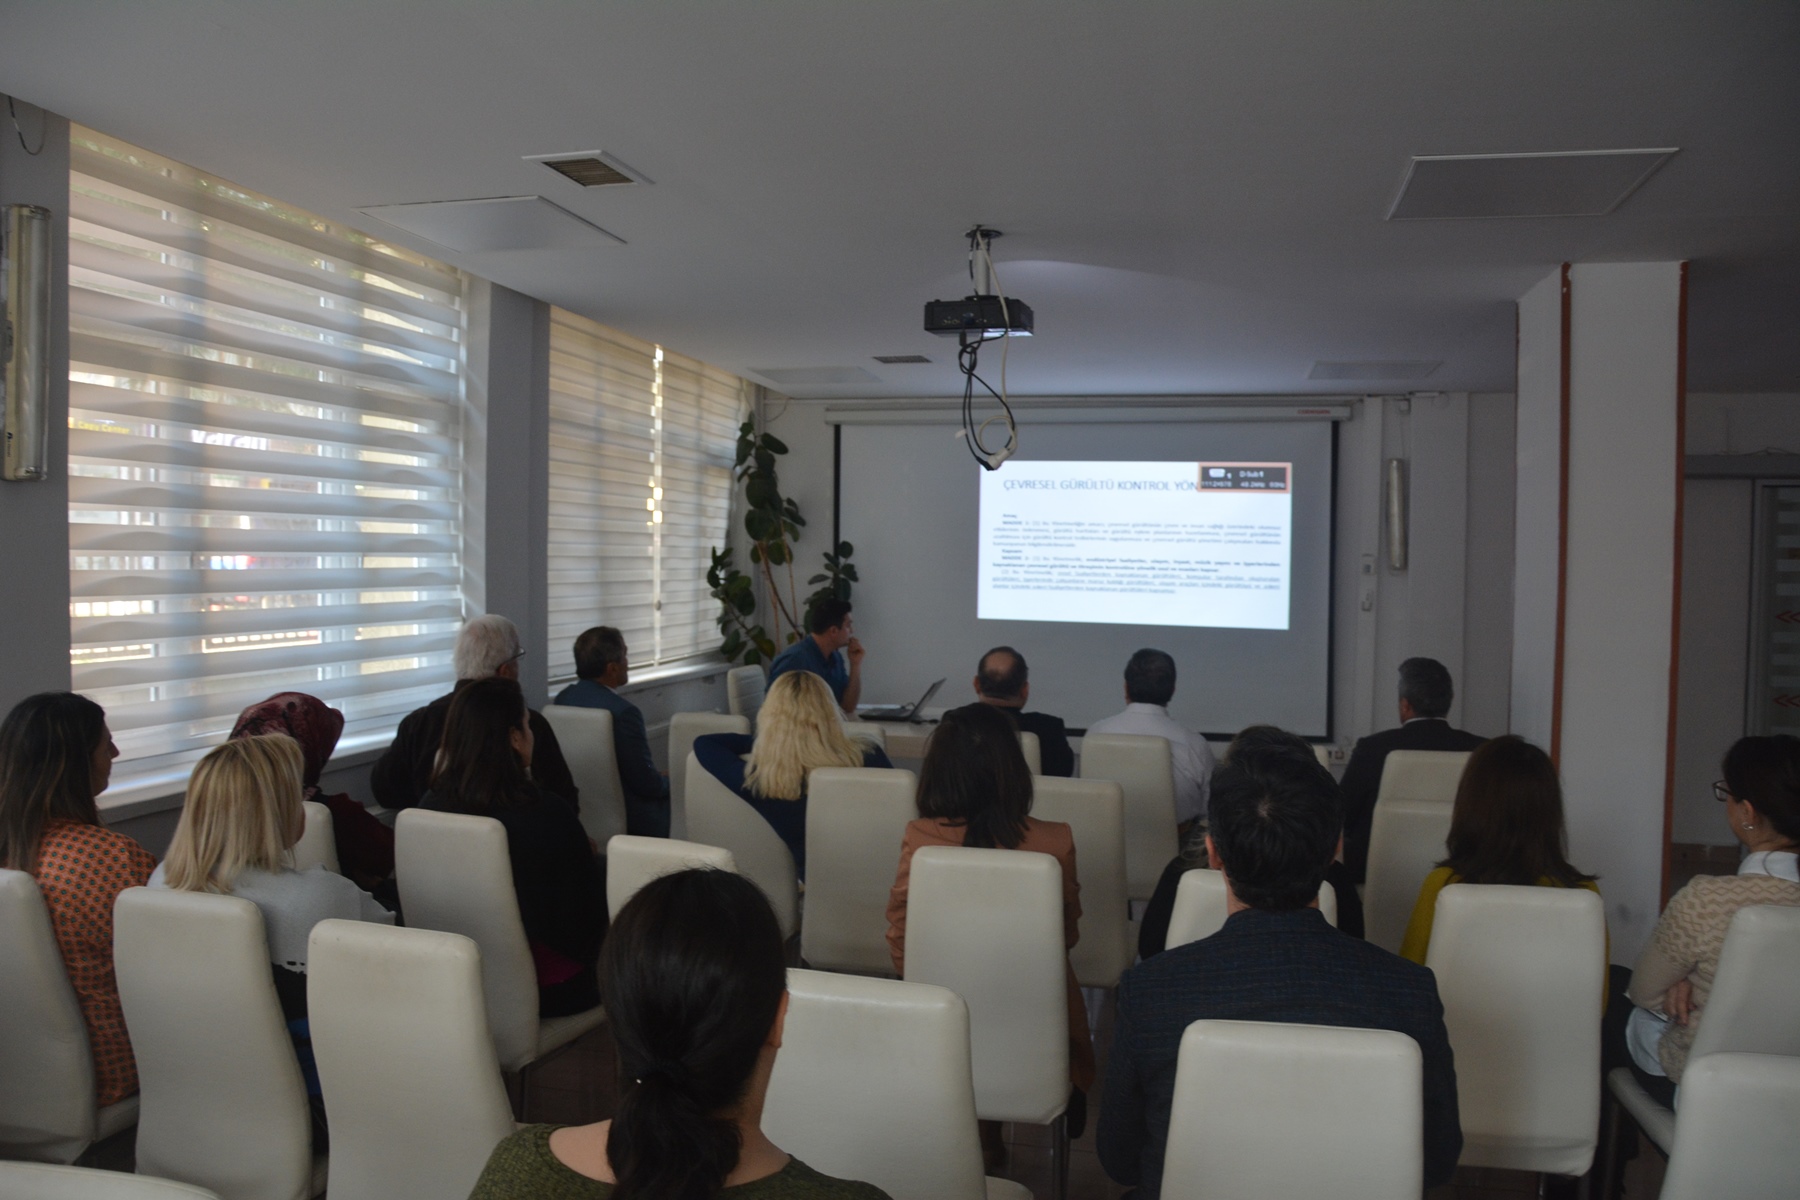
[[986, 314]]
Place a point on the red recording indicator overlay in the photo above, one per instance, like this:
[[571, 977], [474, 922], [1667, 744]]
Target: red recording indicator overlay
[[1245, 477]]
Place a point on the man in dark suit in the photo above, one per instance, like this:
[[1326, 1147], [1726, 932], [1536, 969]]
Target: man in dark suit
[[1425, 695], [1003, 680], [603, 665], [1273, 822]]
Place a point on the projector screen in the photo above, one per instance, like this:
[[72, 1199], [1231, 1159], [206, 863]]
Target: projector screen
[[1208, 539]]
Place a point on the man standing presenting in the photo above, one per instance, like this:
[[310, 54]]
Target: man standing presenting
[[1273, 823], [603, 667], [1149, 686], [1003, 680], [830, 651]]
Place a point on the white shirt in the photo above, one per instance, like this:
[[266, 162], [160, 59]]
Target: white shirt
[[1782, 864], [1191, 757], [292, 902]]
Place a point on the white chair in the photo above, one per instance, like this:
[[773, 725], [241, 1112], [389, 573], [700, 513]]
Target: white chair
[[683, 729], [1266, 1109], [317, 846], [222, 1101], [872, 1082], [744, 690], [586, 738], [631, 862], [1736, 1137], [455, 876], [855, 821], [1033, 750], [1143, 767], [1094, 810], [41, 1181], [987, 924], [47, 1102], [1521, 972], [873, 732], [1421, 775], [1406, 841], [1199, 910], [718, 816], [400, 1032]]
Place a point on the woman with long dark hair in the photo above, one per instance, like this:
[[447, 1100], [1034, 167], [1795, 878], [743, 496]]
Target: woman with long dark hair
[[56, 755], [484, 768], [695, 983]]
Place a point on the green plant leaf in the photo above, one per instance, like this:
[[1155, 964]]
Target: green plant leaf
[[845, 549], [774, 443], [760, 492], [761, 525], [817, 579]]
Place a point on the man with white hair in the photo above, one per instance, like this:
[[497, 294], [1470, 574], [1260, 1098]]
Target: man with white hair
[[487, 648]]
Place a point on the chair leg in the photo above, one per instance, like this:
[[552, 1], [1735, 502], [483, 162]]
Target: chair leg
[[1059, 1157]]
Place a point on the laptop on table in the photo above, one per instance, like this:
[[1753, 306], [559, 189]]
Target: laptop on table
[[899, 712]]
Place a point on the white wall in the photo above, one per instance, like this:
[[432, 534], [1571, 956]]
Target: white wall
[[1537, 509]]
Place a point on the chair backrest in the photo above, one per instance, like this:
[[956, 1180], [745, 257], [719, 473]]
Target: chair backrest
[[683, 729], [1200, 907], [400, 1031], [586, 738], [1421, 775], [1735, 1139], [222, 1104], [47, 1103], [317, 846], [744, 689], [1521, 972], [869, 731], [718, 816], [631, 862], [1406, 841], [1752, 1007], [855, 821], [1144, 768], [1249, 1094], [41, 1181], [1033, 750], [987, 924], [872, 1082], [455, 875], [1094, 810]]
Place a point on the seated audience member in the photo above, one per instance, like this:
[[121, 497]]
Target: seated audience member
[[365, 847], [487, 648], [1153, 929], [484, 770], [695, 982], [1003, 681], [1674, 975], [975, 790], [830, 651], [1506, 827], [1273, 823], [1149, 686], [797, 729], [55, 757], [601, 663], [1425, 696], [241, 818]]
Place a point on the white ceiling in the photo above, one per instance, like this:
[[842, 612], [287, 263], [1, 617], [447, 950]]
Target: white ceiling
[[1192, 192]]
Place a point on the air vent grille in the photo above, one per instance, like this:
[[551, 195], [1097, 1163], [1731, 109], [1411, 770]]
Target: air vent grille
[[588, 172], [895, 359]]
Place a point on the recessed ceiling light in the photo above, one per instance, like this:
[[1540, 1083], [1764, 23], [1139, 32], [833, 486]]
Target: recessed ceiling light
[[1564, 183], [896, 359], [1403, 368], [590, 168], [494, 223]]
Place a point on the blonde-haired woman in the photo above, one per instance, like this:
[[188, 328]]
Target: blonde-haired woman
[[242, 817], [798, 729]]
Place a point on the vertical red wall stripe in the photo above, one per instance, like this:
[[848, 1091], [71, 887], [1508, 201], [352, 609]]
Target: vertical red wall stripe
[[1562, 528], [1681, 350]]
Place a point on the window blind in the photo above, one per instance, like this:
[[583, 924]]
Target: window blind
[[265, 417], [641, 448]]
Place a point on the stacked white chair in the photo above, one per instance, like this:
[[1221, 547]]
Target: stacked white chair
[[1264, 1109], [400, 1032], [1521, 972], [47, 1109], [455, 876], [1406, 841], [586, 738], [744, 690], [872, 1082], [1200, 907], [856, 818], [1736, 1137], [718, 816], [1142, 766], [42, 1181], [1033, 750], [222, 1103], [1094, 810], [987, 924], [683, 729], [317, 846], [632, 862]]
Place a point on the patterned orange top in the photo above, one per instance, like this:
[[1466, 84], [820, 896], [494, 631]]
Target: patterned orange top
[[81, 870]]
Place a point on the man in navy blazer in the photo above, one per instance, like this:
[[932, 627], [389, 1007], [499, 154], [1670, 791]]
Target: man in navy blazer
[[602, 663], [1273, 823]]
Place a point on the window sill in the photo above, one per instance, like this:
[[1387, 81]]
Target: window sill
[[141, 795]]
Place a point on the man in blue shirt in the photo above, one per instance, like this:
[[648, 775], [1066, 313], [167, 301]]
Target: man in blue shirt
[[602, 664], [830, 651]]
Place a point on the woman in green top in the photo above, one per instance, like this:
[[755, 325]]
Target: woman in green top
[[1507, 827], [695, 986]]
